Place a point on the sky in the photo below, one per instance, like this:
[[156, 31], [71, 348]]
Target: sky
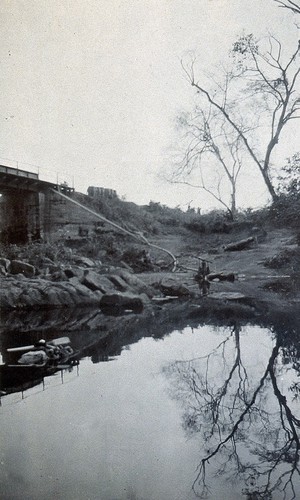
[[90, 91]]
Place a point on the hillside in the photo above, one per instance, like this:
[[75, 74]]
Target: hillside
[[148, 239]]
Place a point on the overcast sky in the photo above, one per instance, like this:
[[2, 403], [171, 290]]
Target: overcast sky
[[91, 89]]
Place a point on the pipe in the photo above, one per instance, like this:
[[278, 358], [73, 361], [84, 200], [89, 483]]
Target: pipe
[[137, 236]]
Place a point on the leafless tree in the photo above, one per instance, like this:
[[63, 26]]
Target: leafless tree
[[257, 97], [212, 156]]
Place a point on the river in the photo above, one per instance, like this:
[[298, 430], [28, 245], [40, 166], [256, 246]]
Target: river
[[203, 412]]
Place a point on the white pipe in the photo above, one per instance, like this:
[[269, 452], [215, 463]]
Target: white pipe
[[137, 236]]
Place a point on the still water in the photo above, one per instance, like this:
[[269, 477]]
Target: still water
[[209, 412]]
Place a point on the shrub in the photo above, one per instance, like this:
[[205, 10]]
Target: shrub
[[138, 259], [215, 221], [37, 253], [285, 211]]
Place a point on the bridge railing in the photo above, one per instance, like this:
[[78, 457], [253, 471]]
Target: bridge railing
[[31, 171], [22, 173]]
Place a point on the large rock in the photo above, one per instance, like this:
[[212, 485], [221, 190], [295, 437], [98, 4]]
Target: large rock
[[5, 263], [32, 296], [9, 293], [58, 275], [136, 283], [46, 269], [119, 283], [20, 267], [35, 293], [87, 288], [72, 272], [170, 287], [83, 261], [83, 292], [121, 301], [95, 281], [3, 271]]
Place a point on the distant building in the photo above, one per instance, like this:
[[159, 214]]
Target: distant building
[[100, 192]]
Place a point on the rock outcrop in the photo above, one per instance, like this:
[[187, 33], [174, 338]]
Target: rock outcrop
[[22, 287]]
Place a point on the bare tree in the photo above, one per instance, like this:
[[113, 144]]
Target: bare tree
[[212, 155], [292, 5], [257, 97]]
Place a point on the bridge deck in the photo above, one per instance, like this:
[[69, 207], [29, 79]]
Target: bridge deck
[[13, 178]]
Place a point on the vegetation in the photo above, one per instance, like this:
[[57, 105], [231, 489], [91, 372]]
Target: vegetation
[[285, 210], [159, 222]]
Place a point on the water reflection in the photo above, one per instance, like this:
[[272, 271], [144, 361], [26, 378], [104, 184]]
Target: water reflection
[[119, 433], [99, 337], [246, 413]]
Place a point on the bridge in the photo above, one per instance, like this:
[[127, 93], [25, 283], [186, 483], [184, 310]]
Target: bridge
[[25, 205], [15, 178], [32, 209]]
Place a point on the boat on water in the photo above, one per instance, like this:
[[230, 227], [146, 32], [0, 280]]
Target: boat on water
[[27, 366], [53, 353]]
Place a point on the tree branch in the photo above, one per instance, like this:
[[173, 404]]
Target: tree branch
[[289, 4]]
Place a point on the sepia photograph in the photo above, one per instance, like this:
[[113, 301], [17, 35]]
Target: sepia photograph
[[150, 250]]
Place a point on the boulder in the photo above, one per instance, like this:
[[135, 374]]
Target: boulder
[[3, 271], [172, 288], [85, 288], [30, 296], [45, 269], [83, 261], [95, 281], [58, 275], [119, 283], [122, 301], [81, 288], [5, 263], [136, 283], [20, 267], [71, 272]]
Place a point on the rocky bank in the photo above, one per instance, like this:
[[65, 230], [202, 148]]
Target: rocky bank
[[87, 283]]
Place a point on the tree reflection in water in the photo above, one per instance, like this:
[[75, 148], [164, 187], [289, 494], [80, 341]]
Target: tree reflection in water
[[245, 418]]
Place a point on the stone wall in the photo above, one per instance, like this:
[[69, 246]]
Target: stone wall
[[64, 219], [27, 216], [20, 219]]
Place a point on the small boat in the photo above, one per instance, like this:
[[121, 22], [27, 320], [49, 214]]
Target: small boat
[[42, 354], [44, 359]]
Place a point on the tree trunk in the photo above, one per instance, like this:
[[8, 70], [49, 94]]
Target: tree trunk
[[269, 185], [239, 245], [233, 200]]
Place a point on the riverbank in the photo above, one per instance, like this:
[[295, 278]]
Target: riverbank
[[266, 272], [261, 279]]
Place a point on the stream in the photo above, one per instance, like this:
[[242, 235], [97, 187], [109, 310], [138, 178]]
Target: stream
[[204, 411]]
